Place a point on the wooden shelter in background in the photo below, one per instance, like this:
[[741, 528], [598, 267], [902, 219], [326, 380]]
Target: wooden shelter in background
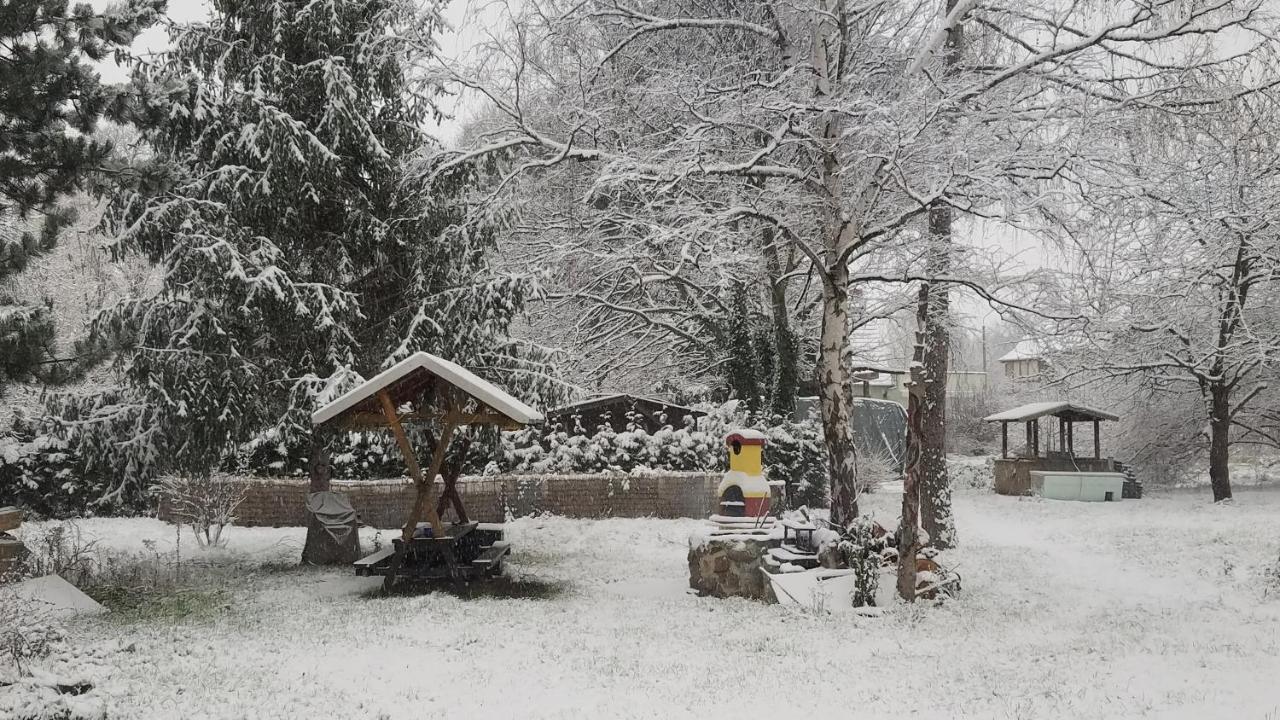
[[1041, 453], [426, 388], [619, 410]]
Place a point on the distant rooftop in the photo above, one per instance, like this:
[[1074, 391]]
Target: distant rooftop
[[1026, 349], [610, 398]]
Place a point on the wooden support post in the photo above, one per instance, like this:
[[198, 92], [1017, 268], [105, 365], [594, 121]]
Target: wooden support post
[[1004, 439], [450, 496], [1029, 436], [1035, 437], [1071, 440], [1062, 435], [422, 505], [1097, 442]]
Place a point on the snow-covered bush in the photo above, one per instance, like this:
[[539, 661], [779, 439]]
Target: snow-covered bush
[[860, 549], [59, 550], [28, 632], [43, 473], [967, 471], [1271, 581], [205, 503], [42, 675]]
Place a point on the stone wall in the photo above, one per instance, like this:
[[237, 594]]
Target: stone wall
[[1013, 475], [279, 502], [730, 567]]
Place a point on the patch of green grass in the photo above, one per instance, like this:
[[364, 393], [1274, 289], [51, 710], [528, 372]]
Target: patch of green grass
[[140, 605]]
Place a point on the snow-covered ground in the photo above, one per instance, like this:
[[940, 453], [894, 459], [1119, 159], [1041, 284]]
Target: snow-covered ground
[[1150, 608]]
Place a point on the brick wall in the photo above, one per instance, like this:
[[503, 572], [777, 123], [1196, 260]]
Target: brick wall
[[385, 503]]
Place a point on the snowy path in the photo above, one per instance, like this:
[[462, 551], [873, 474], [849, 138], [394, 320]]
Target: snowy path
[[1148, 609]]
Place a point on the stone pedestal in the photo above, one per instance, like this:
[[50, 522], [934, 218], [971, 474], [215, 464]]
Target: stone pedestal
[[730, 567]]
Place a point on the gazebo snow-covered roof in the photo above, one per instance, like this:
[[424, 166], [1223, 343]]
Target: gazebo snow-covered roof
[[1068, 415], [435, 390], [1070, 412], [416, 375]]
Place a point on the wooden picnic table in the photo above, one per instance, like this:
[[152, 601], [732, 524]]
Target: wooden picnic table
[[436, 391]]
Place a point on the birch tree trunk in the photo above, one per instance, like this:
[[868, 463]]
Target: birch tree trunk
[[833, 385], [839, 236]]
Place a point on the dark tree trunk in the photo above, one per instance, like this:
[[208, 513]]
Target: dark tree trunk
[[1219, 442], [934, 314], [833, 391], [320, 547], [785, 381]]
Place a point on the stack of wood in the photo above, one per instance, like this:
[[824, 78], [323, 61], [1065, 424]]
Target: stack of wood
[[11, 548]]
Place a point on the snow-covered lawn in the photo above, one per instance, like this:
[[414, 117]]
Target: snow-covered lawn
[[1070, 610]]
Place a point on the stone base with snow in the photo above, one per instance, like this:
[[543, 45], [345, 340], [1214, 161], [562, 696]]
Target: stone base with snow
[[730, 566]]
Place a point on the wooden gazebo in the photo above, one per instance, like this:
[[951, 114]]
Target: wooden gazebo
[[426, 388], [1013, 473]]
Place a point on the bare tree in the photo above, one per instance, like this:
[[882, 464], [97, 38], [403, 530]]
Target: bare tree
[[207, 503], [1181, 269], [839, 126]]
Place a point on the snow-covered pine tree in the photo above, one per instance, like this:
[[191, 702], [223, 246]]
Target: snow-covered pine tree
[[298, 256], [51, 99]]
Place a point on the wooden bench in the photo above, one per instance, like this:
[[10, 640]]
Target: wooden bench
[[365, 564], [491, 557]]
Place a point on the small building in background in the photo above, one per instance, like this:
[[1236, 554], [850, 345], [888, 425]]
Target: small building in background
[[967, 383], [619, 412], [1025, 362], [1052, 469]]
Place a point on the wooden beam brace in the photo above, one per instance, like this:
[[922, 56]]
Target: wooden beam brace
[[422, 506]]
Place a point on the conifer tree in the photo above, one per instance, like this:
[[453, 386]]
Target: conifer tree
[[298, 255], [51, 99]]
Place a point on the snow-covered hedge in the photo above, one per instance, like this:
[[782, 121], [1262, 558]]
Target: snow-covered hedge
[[794, 453], [45, 474]]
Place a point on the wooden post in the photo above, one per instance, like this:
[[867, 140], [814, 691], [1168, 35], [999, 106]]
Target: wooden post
[[1062, 435], [1004, 439], [422, 505], [1097, 442], [1029, 436], [1035, 438], [1071, 440], [450, 494]]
